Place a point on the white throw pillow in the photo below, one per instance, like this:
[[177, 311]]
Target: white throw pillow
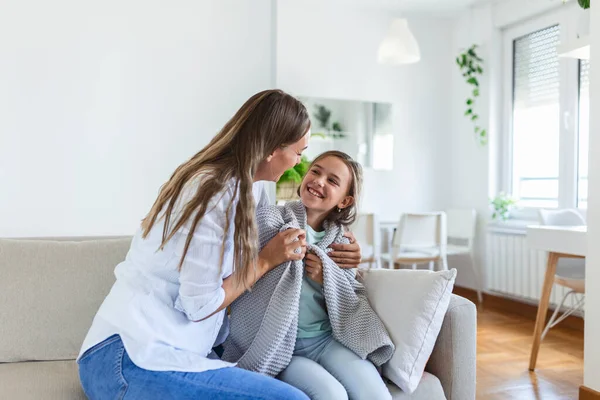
[[412, 305]]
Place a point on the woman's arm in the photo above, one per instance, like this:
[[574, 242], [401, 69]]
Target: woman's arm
[[202, 289], [279, 250], [346, 255]]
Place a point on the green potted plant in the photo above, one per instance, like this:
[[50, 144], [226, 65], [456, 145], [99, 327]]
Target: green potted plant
[[287, 185], [502, 204], [322, 115]]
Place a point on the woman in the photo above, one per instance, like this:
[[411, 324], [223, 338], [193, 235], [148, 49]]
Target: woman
[[154, 333]]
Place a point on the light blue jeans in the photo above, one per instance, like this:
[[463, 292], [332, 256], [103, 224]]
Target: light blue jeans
[[106, 372], [326, 370]]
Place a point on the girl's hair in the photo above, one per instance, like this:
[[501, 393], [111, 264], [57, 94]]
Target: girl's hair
[[267, 121], [348, 215]]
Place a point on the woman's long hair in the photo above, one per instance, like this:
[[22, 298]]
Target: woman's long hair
[[267, 121]]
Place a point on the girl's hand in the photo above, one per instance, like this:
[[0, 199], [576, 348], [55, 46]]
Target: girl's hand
[[282, 248], [346, 255], [314, 267]]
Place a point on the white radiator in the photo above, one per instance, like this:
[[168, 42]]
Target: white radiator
[[513, 270]]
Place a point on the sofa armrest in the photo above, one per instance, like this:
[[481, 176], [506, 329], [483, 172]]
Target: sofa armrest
[[453, 359]]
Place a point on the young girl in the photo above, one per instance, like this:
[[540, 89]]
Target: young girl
[[311, 324]]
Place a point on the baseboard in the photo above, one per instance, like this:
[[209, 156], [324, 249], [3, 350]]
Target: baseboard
[[585, 393], [515, 307]]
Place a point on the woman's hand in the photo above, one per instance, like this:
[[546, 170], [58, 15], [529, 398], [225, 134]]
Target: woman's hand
[[282, 248], [314, 267], [346, 255], [279, 250]]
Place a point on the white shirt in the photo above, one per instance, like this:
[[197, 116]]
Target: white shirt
[[152, 305]]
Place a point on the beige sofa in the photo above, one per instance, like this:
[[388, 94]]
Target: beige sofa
[[50, 290]]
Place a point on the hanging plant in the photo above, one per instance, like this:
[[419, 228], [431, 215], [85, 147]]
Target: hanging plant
[[585, 4], [470, 66]]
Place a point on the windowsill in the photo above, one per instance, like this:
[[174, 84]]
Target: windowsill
[[511, 226], [520, 219]]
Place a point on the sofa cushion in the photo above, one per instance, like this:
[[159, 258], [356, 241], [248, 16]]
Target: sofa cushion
[[49, 380], [49, 293], [412, 305], [59, 380], [429, 388]]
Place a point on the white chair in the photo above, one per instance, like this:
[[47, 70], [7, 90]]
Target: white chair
[[420, 238], [366, 232], [570, 273], [461, 235]]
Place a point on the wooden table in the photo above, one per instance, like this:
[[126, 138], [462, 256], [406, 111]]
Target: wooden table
[[558, 241]]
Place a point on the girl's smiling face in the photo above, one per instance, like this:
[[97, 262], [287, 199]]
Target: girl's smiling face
[[326, 185]]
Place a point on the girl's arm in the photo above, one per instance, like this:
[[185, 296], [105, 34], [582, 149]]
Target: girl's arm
[[314, 267]]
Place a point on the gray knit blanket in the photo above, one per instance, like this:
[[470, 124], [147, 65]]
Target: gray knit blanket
[[264, 320]]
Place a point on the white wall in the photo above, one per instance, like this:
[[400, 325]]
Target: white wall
[[476, 173], [591, 377], [330, 50], [100, 101], [473, 164]]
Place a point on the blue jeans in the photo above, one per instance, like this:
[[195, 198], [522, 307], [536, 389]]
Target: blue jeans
[[107, 372], [326, 370]]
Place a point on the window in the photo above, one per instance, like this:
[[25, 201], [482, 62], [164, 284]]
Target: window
[[584, 132], [546, 117], [536, 108]]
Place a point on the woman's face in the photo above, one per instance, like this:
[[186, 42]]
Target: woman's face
[[325, 186], [281, 160]]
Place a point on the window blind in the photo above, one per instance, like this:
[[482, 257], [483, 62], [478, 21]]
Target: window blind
[[536, 68], [584, 75]]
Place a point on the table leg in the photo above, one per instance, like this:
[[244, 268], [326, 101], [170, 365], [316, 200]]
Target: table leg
[[540, 321]]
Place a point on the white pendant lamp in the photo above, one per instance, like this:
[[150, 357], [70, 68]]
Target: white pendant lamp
[[399, 46]]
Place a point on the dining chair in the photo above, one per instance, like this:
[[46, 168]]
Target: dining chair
[[420, 238], [570, 272], [366, 232], [461, 225]]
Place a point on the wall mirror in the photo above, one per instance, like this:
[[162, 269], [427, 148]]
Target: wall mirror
[[359, 128]]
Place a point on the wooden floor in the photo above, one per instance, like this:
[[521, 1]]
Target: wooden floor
[[503, 346]]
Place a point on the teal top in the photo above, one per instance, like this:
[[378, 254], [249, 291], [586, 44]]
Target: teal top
[[313, 320]]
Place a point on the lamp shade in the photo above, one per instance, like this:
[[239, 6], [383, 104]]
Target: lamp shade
[[399, 46]]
